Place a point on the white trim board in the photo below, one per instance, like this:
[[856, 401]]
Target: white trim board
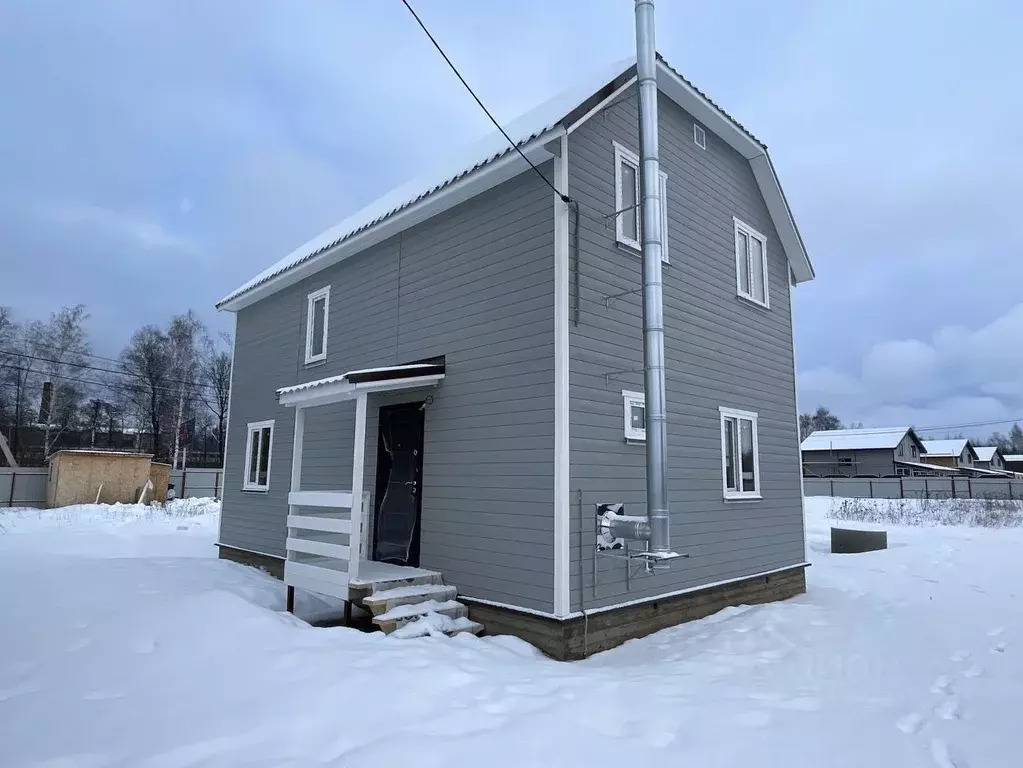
[[562, 462], [219, 543]]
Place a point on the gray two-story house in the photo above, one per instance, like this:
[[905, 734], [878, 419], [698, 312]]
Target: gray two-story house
[[444, 389], [867, 452]]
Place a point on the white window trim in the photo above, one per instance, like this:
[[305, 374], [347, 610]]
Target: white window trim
[[624, 154], [630, 399], [746, 229], [256, 427], [699, 136], [311, 299], [738, 495]]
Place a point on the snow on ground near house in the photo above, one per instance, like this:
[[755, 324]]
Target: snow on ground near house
[[125, 642]]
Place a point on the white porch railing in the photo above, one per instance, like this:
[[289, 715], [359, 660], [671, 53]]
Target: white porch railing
[[324, 548]]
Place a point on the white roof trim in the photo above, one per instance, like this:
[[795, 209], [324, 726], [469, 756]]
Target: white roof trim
[[336, 389]]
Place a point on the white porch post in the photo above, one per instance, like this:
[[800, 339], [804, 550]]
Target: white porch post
[[358, 467], [296, 452]]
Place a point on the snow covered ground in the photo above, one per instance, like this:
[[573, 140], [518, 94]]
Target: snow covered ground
[[125, 642]]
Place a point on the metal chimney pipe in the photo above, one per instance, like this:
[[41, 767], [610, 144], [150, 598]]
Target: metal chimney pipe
[[653, 307]]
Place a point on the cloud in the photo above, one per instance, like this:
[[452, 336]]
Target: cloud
[[959, 376], [143, 231]]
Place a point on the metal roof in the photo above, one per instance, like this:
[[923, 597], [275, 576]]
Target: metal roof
[[870, 438], [985, 452], [947, 447], [545, 118]]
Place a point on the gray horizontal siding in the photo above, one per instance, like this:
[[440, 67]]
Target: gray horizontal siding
[[475, 285], [720, 351]]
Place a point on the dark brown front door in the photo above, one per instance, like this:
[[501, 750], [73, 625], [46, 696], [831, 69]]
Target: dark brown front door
[[399, 484]]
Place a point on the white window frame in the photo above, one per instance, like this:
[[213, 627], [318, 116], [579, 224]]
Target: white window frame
[[746, 229], [631, 399], [311, 299], [740, 495], [625, 155], [699, 136], [256, 428]]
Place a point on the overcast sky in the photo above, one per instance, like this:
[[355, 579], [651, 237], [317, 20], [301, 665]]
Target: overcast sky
[[154, 155]]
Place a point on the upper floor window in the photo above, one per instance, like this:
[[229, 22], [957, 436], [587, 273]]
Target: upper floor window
[[628, 222], [257, 456], [912, 450], [635, 415], [699, 136], [751, 263], [740, 454], [902, 450], [317, 312]]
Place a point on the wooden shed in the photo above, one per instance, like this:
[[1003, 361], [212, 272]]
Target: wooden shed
[[85, 477]]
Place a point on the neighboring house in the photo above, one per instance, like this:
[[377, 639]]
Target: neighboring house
[[460, 362], [868, 452], [1013, 462], [952, 454], [989, 458]]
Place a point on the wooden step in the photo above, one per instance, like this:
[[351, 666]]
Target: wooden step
[[385, 600], [401, 615]]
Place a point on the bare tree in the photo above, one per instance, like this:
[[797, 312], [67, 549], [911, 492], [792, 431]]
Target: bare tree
[[21, 376], [184, 337], [821, 419], [60, 345], [215, 387], [147, 362]]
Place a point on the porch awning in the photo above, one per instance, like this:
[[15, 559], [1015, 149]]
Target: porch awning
[[349, 386]]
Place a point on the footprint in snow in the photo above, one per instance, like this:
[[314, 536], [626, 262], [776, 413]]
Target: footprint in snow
[[948, 709], [942, 755], [974, 671], [79, 644], [910, 723], [998, 648], [995, 632], [961, 655], [942, 685], [18, 690]]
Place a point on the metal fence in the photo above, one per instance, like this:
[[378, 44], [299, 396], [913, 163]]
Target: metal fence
[[26, 487], [196, 483], [23, 487], [914, 487]]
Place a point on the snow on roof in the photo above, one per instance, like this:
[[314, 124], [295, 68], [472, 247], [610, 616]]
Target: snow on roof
[[411, 371], [536, 123], [1013, 456], [945, 447], [869, 438], [494, 145], [101, 452], [985, 452]]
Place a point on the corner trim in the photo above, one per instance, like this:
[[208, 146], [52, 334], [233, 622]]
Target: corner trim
[[562, 464]]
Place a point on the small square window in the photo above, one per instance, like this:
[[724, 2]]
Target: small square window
[[740, 454], [257, 456], [317, 315], [635, 415], [699, 136]]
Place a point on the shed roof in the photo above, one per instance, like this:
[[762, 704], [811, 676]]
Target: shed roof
[[93, 451], [546, 121], [866, 439]]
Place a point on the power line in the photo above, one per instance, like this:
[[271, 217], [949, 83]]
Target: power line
[[888, 430], [564, 198], [104, 370]]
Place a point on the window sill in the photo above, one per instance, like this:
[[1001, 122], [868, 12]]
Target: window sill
[[256, 490], [316, 362], [754, 303], [733, 499], [637, 250], [635, 440]]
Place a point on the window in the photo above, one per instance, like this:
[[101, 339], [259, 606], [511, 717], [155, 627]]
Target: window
[[635, 415], [317, 312], [751, 264], [740, 454], [257, 456], [900, 471], [902, 450], [912, 450], [699, 136], [628, 227]]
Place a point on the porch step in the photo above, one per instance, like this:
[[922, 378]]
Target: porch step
[[434, 624], [382, 601], [401, 615]]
